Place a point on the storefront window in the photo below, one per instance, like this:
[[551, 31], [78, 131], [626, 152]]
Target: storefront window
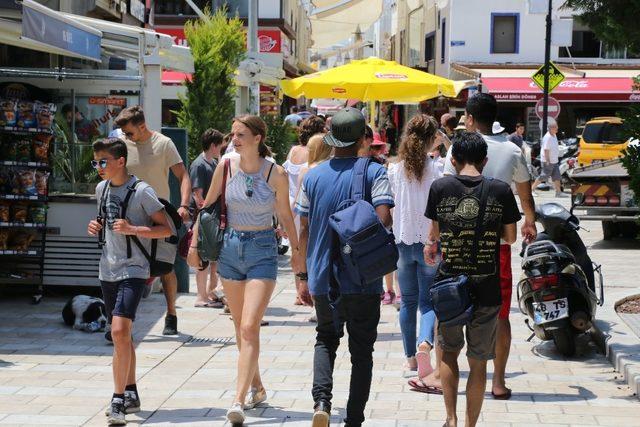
[[80, 120]]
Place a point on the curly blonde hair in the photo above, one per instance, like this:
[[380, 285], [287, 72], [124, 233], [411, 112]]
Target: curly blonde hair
[[418, 139]]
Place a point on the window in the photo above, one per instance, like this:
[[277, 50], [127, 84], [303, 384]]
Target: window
[[415, 37], [430, 47], [392, 42], [402, 46], [504, 32], [443, 40], [584, 44]]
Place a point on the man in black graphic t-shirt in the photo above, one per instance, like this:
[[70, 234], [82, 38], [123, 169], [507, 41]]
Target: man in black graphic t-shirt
[[454, 206]]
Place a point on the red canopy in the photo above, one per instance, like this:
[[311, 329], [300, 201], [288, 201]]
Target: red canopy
[[594, 89], [174, 77]]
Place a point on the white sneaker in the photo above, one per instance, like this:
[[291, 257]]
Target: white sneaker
[[116, 415], [235, 414]]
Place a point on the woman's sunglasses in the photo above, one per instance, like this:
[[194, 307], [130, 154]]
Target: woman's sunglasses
[[249, 184]]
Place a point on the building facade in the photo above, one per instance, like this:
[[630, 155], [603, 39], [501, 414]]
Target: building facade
[[500, 44], [284, 39]]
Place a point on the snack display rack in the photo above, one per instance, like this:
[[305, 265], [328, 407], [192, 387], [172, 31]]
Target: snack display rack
[[24, 182]]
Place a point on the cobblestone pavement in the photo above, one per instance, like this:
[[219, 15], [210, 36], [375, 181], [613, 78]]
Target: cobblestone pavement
[[52, 375]]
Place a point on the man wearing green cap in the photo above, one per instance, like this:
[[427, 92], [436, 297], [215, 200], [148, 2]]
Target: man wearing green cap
[[323, 189]]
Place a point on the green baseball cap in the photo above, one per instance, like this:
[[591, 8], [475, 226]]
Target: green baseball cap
[[347, 128]]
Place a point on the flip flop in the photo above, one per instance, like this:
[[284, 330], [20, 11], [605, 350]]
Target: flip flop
[[504, 396], [419, 386], [423, 359], [209, 304]]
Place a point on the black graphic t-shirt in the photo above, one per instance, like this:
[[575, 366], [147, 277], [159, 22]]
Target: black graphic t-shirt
[[454, 201]]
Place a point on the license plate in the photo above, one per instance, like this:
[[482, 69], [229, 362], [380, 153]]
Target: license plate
[[548, 311]]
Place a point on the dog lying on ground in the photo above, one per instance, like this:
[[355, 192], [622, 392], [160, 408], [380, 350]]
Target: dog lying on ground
[[85, 313]]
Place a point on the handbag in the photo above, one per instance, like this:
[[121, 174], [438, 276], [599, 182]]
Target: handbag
[[451, 297], [213, 223]]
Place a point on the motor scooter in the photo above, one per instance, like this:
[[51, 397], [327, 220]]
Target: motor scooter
[[557, 290]]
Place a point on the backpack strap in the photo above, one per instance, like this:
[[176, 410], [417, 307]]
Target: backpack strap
[[359, 180], [223, 203], [484, 194], [123, 211], [102, 211]]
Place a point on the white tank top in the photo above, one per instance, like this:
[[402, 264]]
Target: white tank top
[[293, 172]]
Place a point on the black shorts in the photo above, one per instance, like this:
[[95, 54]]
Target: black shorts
[[122, 298]]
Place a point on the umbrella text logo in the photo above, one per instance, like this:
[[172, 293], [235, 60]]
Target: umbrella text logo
[[391, 76], [339, 90]]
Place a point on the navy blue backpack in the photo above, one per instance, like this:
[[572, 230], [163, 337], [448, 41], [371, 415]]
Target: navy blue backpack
[[365, 250]]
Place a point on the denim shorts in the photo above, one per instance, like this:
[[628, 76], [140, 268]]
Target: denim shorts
[[122, 298], [249, 255]]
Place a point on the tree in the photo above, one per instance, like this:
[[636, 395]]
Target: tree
[[217, 44], [613, 21]]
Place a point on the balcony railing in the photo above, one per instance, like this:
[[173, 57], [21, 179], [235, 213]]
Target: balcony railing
[[180, 7]]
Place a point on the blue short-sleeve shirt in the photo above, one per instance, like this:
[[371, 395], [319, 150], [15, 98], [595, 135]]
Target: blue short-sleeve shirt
[[324, 187]]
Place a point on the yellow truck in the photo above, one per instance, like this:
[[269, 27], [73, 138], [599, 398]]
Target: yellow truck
[[601, 193]]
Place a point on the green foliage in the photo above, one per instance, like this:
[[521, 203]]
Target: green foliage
[[280, 136], [631, 156], [631, 161], [613, 21], [217, 45]]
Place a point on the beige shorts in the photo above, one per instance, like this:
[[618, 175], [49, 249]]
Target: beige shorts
[[480, 334]]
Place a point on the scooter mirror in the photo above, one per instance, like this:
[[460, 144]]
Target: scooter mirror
[[578, 200]]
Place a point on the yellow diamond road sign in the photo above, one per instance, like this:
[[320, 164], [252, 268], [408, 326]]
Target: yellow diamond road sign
[[555, 77]]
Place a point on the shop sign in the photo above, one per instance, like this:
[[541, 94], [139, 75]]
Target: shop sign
[[270, 41], [57, 32], [516, 96], [555, 77], [137, 9], [102, 100], [455, 43]]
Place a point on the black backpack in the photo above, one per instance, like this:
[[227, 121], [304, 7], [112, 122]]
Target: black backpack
[[163, 251]]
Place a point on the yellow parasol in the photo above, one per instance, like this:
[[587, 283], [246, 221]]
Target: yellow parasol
[[372, 79]]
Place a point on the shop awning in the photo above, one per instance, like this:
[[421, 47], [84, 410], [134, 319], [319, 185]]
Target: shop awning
[[39, 28], [592, 89], [333, 21], [174, 77]]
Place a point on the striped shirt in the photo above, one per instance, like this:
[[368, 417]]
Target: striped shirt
[[250, 199]]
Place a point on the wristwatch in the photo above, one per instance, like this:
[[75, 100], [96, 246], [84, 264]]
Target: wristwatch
[[303, 276]]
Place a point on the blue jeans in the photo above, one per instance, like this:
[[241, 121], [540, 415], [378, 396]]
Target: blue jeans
[[415, 278]]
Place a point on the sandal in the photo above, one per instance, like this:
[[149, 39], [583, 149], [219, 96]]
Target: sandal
[[256, 398], [418, 385], [209, 304]]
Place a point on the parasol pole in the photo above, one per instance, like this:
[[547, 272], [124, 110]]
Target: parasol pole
[[372, 113]]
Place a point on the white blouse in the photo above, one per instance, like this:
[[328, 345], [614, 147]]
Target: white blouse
[[410, 225]]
